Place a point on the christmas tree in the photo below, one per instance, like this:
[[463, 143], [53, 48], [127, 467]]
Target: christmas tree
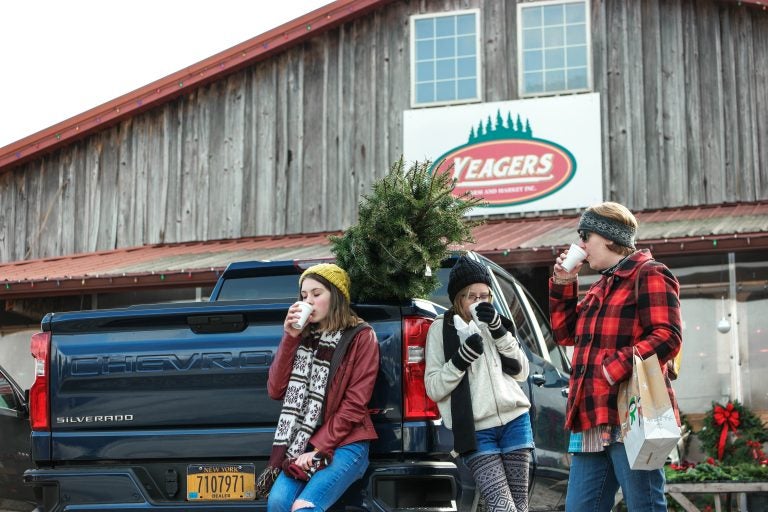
[[404, 229]]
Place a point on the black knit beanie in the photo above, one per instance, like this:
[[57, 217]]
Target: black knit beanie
[[464, 273]]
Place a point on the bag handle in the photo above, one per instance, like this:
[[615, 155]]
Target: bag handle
[[671, 370], [637, 278]]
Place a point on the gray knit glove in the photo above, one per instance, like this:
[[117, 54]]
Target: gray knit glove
[[471, 349], [486, 313]]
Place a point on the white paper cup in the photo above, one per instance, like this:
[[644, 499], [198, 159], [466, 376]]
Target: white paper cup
[[473, 310], [306, 310], [575, 256]]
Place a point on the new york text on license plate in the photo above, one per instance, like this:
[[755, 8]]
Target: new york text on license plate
[[215, 482]]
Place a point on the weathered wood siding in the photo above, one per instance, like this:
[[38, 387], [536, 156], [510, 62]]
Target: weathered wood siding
[[289, 145]]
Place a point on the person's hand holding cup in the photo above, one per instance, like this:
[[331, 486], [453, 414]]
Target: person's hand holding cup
[[570, 261], [297, 317], [473, 312]]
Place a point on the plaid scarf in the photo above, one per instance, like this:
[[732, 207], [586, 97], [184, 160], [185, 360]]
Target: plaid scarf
[[302, 404]]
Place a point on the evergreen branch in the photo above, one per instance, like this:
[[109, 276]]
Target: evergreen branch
[[405, 224]]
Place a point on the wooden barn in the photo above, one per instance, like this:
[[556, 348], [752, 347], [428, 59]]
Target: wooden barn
[[261, 151]]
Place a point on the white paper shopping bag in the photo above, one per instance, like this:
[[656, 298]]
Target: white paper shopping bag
[[649, 424]]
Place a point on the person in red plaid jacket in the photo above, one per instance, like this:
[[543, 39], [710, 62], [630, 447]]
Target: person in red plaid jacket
[[615, 316]]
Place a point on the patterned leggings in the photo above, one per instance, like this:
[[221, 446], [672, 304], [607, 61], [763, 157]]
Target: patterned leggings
[[502, 480]]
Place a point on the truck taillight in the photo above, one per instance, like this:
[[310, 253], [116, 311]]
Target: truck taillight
[[39, 408], [417, 405]]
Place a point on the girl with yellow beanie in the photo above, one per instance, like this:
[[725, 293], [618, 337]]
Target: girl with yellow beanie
[[324, 372]]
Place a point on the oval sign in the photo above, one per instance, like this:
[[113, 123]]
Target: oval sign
[[508, 171]]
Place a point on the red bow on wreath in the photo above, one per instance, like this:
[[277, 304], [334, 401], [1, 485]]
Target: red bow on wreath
[[728, 418]]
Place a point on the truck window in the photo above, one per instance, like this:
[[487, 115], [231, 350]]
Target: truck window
[[440, 296], [556, 354], [268, 289], [525, 331]]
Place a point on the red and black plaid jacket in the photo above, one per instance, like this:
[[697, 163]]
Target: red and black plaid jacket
[[603, 328]]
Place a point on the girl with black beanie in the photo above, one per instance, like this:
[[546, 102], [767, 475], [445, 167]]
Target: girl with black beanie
[[472, 372]]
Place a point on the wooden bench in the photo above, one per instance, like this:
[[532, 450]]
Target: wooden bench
[[678, 491]]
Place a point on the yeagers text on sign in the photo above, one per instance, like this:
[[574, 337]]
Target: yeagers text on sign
[[508, 171]]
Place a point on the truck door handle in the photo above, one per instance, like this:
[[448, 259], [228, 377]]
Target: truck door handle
[[564, 392], [205, 324], [538, 379]]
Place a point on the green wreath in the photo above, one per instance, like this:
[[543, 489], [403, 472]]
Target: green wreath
[[732, 434]]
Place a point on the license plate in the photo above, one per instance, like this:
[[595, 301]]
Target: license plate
[[221, 482]]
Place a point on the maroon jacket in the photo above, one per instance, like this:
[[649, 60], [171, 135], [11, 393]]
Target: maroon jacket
[[604, 327], [345, 419]]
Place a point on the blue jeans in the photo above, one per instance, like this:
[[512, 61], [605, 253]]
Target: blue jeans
[[326, 486], [515, 435], [595, 478]]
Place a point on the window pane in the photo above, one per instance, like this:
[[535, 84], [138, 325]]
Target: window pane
[[465, 24], [752, 313], [554, 58], [531, 17], [533, 82], [445, 91], [705, 352], [425, 71], [466, 45], [445, 26], [576, 34], [250, 288], [577, 78], [445, 69], [425, 28], [466, 67], [553, 14], [554, 42], [425, 50], [752, 303], [425, 93], [575, 13], [576, 56], [519, 318], [554, 36], [533, 60], [445, 48], [554, 80], [466, 89], [532, 39]]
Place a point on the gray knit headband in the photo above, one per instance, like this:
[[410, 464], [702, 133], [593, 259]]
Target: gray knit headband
[[608, 228]]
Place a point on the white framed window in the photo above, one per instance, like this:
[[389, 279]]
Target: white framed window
[[445, 58], [554, 47]]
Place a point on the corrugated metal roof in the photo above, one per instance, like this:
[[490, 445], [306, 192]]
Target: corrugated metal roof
[[530, 240], [659, 225], [187, 264]]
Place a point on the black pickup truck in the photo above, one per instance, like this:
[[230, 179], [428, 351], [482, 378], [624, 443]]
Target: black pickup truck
[[129, 406]]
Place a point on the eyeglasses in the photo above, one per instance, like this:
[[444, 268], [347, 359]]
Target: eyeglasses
[[484, 297], [584, 235]]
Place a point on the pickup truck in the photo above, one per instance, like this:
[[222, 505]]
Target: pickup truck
[[164, 407]]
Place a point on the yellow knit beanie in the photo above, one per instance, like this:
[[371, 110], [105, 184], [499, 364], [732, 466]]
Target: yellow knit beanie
[[335, 275]]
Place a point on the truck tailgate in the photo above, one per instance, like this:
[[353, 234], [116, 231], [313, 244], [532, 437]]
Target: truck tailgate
[[176, 382]]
